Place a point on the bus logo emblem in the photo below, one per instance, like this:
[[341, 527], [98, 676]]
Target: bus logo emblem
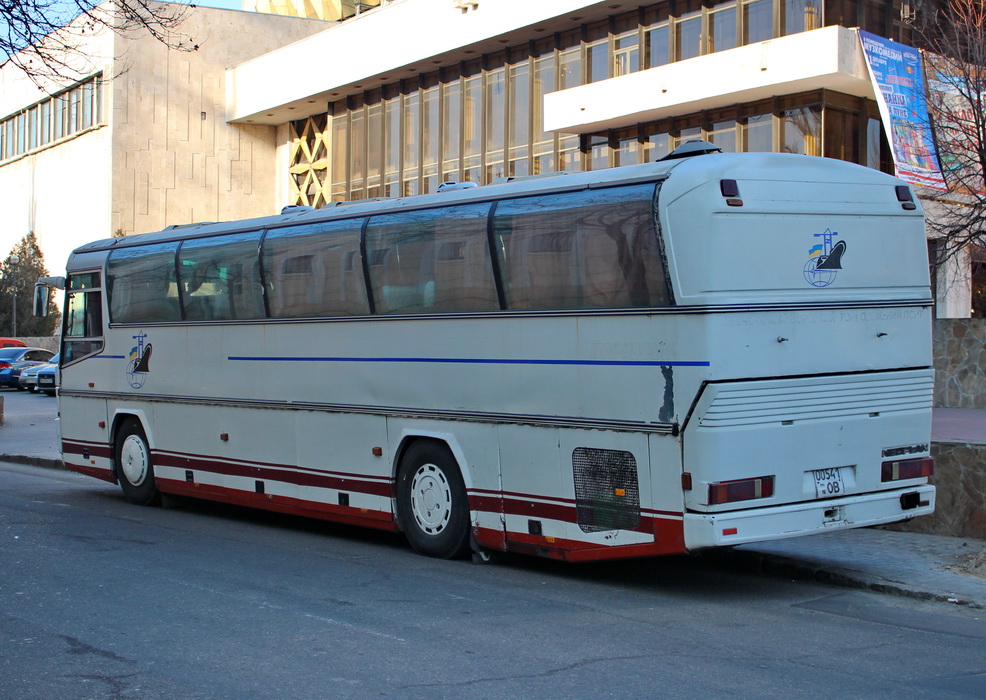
[[138, 364], [824, 260]]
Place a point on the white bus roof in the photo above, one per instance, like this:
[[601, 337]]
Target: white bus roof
[[694, 171]]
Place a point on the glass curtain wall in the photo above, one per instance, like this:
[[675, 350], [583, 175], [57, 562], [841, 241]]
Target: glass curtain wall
[[483, 119]]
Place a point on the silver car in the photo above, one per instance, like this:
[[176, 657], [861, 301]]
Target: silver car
[[28, 378]]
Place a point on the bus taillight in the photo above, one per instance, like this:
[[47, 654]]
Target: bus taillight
[[907, 469], [741, 490]]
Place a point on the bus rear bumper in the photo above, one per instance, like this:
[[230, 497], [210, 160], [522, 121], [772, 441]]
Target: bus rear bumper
[[704, 530]]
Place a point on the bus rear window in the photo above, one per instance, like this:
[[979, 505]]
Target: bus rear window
[[592, 249]]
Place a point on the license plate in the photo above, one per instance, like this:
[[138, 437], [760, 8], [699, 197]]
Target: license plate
[[829, 482], [46, 381]]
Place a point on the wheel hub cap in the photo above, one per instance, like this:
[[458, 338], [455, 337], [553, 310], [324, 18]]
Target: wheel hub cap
[[133, 460], [431, 499]]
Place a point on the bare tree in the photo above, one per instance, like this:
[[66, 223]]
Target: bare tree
[[953, 36], [44, 37]]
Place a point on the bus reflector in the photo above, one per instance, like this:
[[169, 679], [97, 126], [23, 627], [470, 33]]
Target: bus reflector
[[730, 531], [907, 469], [741, 490]]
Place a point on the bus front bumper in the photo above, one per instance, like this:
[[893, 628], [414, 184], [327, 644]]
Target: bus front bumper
[[704, 530]]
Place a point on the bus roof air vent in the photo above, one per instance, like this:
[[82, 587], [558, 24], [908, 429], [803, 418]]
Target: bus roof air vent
[[694, 147], [296, 209], [452, 186]]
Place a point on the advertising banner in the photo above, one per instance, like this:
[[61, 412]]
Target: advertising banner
[[957, 92], [898, 81]]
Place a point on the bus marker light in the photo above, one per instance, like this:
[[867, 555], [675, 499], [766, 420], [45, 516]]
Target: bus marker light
[[907, 469], [102, 424], [741, 490], [730, 531], [224, 437], [620, 492], [377, 451]]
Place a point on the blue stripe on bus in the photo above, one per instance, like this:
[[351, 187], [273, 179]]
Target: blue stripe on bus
[[468, 361]]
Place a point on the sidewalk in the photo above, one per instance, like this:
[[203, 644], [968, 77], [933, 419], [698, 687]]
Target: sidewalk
[[903, 563]]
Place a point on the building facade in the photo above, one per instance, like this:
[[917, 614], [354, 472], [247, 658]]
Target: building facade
[[406, 94], [479, 90], [138, 137]]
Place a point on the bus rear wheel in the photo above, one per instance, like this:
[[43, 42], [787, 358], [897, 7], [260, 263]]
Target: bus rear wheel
[[134, 468], [432, 507]]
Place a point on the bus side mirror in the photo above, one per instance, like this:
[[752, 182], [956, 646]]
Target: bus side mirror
[[42, 293]]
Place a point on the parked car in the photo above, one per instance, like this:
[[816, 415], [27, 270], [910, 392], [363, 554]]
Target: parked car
[[13, 360], [12, 343], [29, 375], [48, 378]]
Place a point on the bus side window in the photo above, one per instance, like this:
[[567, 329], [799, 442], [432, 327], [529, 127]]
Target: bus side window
[[315, 270], [220, 278], [435, 260], [82, 334], [141, 283], [592, 249]]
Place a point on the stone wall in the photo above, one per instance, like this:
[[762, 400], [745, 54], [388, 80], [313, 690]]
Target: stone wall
[[960, 510], [960, 363], [47, 342], [960, 468]]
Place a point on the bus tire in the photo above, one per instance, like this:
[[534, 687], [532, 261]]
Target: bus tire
[[134, 467], [432, 507]]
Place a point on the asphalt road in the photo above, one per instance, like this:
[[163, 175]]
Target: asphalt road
[[102, 599]]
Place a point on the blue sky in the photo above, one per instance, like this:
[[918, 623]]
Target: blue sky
[[228, 4]]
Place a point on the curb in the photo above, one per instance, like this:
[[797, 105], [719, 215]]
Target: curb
[[48, 462], [811, 570]]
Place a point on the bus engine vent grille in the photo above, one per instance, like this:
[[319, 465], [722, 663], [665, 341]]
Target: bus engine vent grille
[[606, 493]]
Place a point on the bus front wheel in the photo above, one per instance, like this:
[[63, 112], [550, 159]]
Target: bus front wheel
[[432, 507], [134, 468]]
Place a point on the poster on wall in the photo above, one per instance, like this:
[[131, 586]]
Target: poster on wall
[[898, 81], [956, 91]]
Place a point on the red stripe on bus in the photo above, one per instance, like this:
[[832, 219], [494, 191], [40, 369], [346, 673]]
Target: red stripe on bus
[[285, 474], [530, 497], [275, 465], [669, 539], [668, 532], [381, 520], [89, 470], [96, 449], [542, 511]]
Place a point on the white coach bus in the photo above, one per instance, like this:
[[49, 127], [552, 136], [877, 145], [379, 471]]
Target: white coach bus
[[703, 351]]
